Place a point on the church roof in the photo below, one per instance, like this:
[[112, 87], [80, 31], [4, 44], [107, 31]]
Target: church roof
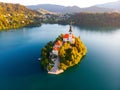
[[67, 36], [56, 49], [58, 42]]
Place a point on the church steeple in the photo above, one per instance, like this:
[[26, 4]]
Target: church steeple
[[70, 30], [69, 36]]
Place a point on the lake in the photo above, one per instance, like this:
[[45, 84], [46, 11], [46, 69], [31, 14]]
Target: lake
[[21, 70]]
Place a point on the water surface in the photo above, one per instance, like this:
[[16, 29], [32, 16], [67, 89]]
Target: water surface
[[21, 70]]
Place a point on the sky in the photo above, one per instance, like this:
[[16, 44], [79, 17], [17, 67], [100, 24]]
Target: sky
[[80, 3]]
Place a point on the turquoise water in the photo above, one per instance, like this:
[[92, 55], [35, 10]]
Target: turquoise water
[[21, 70]]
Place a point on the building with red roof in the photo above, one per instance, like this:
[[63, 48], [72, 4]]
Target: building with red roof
[[58, 43], [70, 36], [66, 37], [56, 47]]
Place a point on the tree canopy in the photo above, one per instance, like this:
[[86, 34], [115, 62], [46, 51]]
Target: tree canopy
[[16, 16], [71, 54]]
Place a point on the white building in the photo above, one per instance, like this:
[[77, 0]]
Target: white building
[[70, 36]]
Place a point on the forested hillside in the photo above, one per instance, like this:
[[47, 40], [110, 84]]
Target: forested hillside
[[97, 19], [93, 19], [15, 16]]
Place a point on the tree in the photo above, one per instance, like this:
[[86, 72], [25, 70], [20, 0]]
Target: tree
[[71, 54]]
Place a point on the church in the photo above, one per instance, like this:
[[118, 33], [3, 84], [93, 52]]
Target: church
[[70, 36]]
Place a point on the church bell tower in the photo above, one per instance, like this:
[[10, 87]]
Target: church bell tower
[[70, 32]]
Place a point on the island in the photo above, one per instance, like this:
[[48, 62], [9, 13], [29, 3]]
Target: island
[[66, 51]]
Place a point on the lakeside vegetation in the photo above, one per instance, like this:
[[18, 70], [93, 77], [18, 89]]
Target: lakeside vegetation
[[71, 54], [45, 53], [16, 16], [94, 19], [97, 19]]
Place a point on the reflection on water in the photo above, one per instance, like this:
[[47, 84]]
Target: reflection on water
[[20, 68]]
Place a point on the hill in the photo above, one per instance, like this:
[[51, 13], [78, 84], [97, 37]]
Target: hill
[[111, 5], [43, 12], [16, 15], [70, 9], [49, 7], [93, 9], [96, 19]]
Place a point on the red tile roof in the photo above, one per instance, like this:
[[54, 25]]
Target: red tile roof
[[56, 48], [58, 42], [67, 36]]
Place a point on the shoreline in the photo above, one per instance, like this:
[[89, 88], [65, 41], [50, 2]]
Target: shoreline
[[55, 69], [56, 72]]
